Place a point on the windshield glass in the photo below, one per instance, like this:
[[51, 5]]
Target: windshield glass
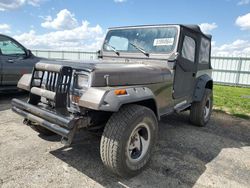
[[150, 40]]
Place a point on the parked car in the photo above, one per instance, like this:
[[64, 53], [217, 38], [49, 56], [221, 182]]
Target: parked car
[[143, 74], [15, 61]]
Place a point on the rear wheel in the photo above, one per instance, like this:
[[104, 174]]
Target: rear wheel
[[128, 140], [201, 111]]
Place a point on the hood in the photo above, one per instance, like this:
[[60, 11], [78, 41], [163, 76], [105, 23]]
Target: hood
[[114, 73], [128, 74]]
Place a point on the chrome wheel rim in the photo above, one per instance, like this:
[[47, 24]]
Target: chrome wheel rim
[[138, 142], [207, 109]]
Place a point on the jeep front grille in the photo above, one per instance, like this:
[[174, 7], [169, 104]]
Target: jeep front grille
[[51, 82]]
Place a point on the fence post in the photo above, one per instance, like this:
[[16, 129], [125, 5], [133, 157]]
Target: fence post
[[79, 55], [238, 72], [62, 54]]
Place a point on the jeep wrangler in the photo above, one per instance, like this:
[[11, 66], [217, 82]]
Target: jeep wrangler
[[142, 74]]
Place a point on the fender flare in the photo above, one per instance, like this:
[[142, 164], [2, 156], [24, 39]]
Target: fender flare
[[200, 86], [24, 82], [106, 100]]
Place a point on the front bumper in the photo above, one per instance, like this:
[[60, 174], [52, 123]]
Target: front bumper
[[51, 120]]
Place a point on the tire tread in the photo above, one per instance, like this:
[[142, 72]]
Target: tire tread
[[113, 132], [196, 113]]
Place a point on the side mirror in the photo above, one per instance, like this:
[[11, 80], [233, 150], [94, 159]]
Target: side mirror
[[28, 53], [174, 57], [99, 54]]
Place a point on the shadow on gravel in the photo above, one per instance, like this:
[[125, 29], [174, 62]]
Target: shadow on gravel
[[7, 96], [53, 138], [179, 158]]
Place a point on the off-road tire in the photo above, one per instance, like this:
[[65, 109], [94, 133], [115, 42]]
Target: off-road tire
[[197, 114], [116, 135]]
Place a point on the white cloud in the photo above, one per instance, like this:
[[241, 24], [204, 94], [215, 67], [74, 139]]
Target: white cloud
[[15, 4], [243, 2], [5, 28], [207, 27], [64, 20], [236, 48], [120, 1], [243, 22], [83, 37], [34, 3]]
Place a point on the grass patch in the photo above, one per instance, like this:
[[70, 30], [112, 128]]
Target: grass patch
[[233, 100]]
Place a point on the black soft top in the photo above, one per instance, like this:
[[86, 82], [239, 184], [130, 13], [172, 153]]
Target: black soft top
[[197, 29]]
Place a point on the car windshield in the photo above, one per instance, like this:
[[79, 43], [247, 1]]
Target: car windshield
[[148, 40]]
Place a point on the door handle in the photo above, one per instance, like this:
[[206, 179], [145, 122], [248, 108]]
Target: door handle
[[10, 61]]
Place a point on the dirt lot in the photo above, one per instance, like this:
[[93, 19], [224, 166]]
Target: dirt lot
[[185, 156]]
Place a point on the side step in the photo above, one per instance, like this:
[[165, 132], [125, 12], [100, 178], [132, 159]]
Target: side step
[[181, 106]]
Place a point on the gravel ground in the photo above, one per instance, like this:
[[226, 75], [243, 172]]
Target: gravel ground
[[185, 156]]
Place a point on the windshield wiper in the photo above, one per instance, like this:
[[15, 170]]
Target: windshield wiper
[[140, 49], [112, 48]]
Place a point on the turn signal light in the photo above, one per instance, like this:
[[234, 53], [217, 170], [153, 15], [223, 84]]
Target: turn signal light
[[75, 98], [120, 92]]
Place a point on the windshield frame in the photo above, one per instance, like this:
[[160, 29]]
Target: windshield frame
[[137, 54]]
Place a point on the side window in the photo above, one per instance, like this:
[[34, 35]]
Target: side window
[[204, 51], [188, 49], [9, 47]]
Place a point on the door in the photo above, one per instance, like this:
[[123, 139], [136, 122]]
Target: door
[[186, 65], [14, 61]]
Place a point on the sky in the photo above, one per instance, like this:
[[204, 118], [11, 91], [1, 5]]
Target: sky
[[82, 25]]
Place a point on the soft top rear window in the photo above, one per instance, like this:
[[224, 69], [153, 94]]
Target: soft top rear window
[[204, 51]]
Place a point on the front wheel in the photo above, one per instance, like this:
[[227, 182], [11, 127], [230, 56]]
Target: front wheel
[[128, 140], [201, 111]]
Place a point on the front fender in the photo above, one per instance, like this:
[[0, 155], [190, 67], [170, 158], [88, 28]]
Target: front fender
[[24, 82], [107, 100]]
